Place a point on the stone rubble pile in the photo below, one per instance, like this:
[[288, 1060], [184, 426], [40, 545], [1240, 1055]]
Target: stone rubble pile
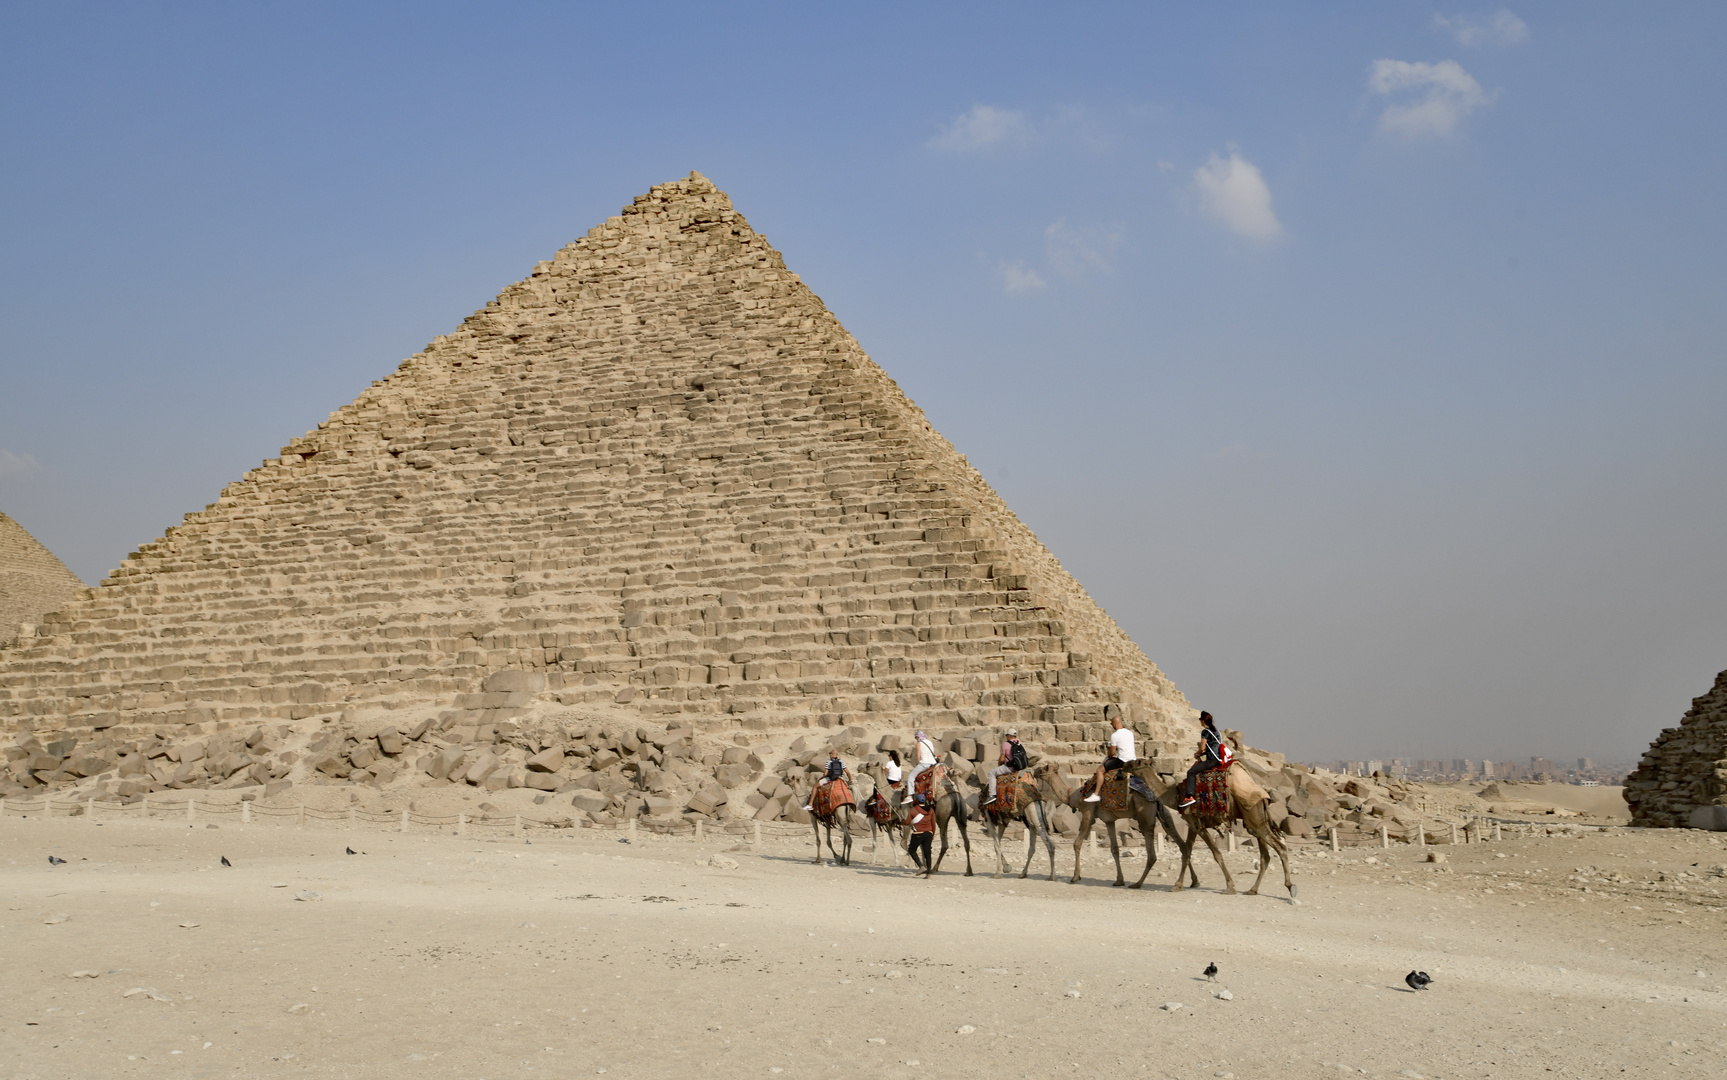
[[1682, 780]]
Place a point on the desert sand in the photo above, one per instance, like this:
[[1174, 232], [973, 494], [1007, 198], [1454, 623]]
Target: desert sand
[[572, 953]]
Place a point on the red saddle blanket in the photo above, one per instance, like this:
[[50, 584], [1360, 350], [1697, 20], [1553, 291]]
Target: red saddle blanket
[[926, 780], [1013, 793], [1115, 794], [1212, 805], [877, 807], [830, 797]]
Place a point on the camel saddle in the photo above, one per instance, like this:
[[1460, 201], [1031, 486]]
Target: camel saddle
[[1115, 791], [830, 797], [926, 781], [1013, 793], [1212, 806], [877, 807]]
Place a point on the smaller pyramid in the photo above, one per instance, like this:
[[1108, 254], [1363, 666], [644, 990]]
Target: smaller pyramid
[[1682, 780], [33, 582]]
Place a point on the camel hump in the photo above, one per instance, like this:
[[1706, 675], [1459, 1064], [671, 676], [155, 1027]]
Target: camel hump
[[1243, 787]]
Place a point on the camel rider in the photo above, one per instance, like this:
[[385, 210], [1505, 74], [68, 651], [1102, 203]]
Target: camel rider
[[1013, 759], [925, 759], [1213, 753], [922, 838], [1120, 751], [892, 769], [835, 770]]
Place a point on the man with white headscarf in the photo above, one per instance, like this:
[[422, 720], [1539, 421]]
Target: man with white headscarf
[[924, 759]]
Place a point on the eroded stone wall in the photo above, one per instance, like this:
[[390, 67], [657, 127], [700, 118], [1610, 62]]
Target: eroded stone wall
[[1682, 779], [32, 581]]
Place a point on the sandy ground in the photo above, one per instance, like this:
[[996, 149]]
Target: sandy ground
[[575, 955]]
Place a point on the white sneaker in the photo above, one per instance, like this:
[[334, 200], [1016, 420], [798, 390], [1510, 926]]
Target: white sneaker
[[809, 808], [1088, 798]]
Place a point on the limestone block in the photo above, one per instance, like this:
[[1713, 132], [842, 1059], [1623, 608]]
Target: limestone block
[[390, 741], [769, 810], [541, 781], [384, 770], [483, 765], [589, 801], [514, 682], [549, 760], [888, 742], [363, 755], [734, 755]]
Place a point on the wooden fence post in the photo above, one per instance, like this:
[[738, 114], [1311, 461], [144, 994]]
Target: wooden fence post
[[462, 824], [1384, 838], [246, 812], [191, 808], [1335, 846]]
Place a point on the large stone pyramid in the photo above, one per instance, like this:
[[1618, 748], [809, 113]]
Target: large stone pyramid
[[1682, 780], [32, 581], [656, 475]]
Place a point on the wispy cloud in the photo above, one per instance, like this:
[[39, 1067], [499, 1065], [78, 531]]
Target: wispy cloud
[[1501, 29], [1233, 190], [1018, 278], [13, 464], [1423, 100], [1074, 251], [982, 127]]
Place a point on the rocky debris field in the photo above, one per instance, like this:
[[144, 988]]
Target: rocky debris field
[[563, 767], [575, 954]]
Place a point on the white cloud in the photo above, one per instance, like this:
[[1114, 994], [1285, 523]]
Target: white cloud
[[1017, 278], [1424, 99], [1233, 191], [12, 464], [1072, 251], [1501, 28], [983, 126]]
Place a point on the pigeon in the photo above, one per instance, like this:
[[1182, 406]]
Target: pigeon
[[1417, 980], [351, 851], [225, 861], [1211, 972], [54, 860]]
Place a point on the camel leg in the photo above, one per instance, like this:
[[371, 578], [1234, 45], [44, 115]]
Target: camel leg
[[996, 828], [1148, 825], [1185, 843], [1228, 879], [1030, 840], [1048, 840], [816, 828], [964, 836], [941, 825], [1085, 816], [1269, 841], [1114, 849], [1258, 824], [846, 827]]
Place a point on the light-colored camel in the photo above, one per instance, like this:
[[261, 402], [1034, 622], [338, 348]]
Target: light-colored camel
[[1046, 782], [897, 831], [1144, 812], [842, 819], [1248, 804], [948, 804]]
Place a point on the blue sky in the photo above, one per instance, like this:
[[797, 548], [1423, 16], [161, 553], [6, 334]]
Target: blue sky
[[1365, 361]]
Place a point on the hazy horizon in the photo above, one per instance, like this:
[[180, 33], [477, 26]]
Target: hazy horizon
[[1365, 364]]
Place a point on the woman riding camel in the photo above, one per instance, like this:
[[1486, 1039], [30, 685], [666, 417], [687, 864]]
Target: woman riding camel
[[892, 769], [1120, 751], [1213, 753], [925, 759]]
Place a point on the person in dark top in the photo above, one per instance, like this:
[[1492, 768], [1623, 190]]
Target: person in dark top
[[1213, 753], [836, 770], [922, 837]]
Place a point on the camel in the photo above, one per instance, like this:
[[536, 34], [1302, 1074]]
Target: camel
[[1146, 813], [949, 805], [896, 829], [842, 818], [1247, 804], [1049, 787]]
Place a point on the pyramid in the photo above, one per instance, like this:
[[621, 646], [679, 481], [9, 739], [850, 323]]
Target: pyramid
[[656, 476], [1682, 780], [32, 581]]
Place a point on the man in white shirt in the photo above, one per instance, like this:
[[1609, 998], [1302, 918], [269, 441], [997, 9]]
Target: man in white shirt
[[925, 758], [1120, 751]]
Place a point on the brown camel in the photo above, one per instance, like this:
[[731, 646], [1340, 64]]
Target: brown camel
[[841, 818], [948, 804], [1048, 786], [895, 828], [1247, 804], [1146, 813]]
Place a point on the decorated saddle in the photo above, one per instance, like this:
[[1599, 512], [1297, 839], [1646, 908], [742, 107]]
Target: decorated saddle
[[1013, 793], [927, 779], [878, 809], [1212, 806], [1115, 791], [830, 797]]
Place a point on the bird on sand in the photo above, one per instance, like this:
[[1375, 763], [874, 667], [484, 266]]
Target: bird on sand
[[55, 860], [225, 861], [1211, 971], [1417, 980], [351, 851]]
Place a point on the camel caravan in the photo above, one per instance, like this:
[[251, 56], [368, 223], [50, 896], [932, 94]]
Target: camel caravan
[[912, 805]]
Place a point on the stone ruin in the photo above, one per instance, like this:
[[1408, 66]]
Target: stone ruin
[[32, 581], [629, 533], [1682, 780]]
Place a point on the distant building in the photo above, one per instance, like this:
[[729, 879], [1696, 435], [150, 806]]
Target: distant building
[[1585, 764]]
